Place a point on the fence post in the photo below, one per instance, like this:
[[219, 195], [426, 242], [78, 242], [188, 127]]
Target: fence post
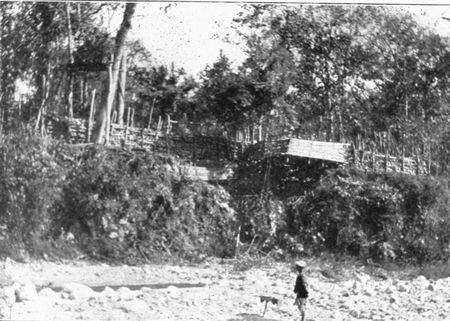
[[114, 117], [2, 116], [132, 117], [386, 150], [91, 115], [168, 125], [158, 127], [402, 165], [417, 162], [372, 158], [151, 114], [429, 156], [126, 126], [109, 111]]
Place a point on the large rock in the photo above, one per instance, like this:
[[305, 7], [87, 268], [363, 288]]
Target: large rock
[[369, 291], [7, 294], [394, 298], [77, 291], [403, 287], [135, 306], [5, 310], [25, 291], [7, 299], [345, 293], [420, 282], [110, 294], [173, 291], [125, 294], [146, 289], [354, 313], [356, 287], [347, 284], [443, 283], [390, 289], [363, 278], [48, 293]]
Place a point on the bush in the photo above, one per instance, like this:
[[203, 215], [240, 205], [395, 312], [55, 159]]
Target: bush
[[381, 216], [30, 180], [125, 206], [261, 219], [128, 205]]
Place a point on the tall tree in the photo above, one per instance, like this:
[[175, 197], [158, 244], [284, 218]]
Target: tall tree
[[100, 134], [70, 48], [352, 71], [235, 98], [121, 92]]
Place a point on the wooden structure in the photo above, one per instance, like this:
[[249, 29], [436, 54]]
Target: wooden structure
[[327, 151], [207, 173], [199, 148]]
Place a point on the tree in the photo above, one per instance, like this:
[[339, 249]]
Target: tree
[[353, 72], [160, 91], [104, 112], [34, 38], [233, 98], [122, 79]]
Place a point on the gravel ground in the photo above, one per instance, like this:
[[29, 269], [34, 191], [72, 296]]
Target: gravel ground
[[216, 291]]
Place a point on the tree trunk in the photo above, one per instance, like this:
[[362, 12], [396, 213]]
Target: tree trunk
[[91, 113], [149, 126], [7, 80], [71, 60], [84, 92], [122, 84], [104, 111], [108, 110]]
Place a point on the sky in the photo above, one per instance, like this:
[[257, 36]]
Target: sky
[[188, 34], [191, 34]]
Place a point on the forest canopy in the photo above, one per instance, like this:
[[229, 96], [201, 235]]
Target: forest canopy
[[339, 73]]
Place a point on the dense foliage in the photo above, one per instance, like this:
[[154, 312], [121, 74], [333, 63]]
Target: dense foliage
[[372, 76], [137, 203], [31, 176], [110, 204], [380, 216], [369, 76], [114, 204]]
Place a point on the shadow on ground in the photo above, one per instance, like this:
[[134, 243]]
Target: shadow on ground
[[250, 317], [134, 287]]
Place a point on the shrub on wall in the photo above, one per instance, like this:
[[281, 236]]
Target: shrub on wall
[[261, 220], [116, 204], [30, 180], [382, 216]]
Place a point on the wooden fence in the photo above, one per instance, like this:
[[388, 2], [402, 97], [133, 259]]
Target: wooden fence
[[195, 147], [191, 147]]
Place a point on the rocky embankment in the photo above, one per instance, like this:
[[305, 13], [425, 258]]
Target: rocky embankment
[[214, 291]]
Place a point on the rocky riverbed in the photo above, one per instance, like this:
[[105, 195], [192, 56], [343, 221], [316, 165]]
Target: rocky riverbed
[[217, 291]]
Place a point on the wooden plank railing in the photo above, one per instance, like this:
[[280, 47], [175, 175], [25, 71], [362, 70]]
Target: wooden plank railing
[[198, 147]]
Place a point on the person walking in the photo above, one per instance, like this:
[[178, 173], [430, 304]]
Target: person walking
[[300, 289]]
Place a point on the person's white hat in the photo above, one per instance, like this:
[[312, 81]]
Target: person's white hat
[[300, 263]]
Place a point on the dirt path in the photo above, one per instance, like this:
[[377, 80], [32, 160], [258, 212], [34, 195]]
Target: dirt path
[[215, 291]]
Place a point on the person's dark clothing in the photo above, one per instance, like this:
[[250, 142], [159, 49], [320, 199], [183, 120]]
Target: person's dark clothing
[[300, 287]]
